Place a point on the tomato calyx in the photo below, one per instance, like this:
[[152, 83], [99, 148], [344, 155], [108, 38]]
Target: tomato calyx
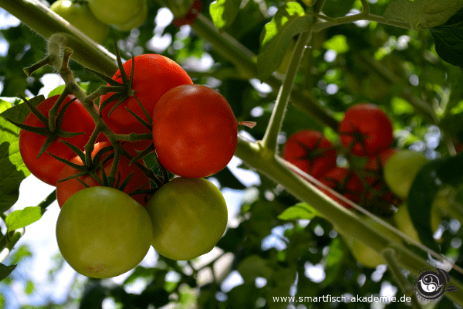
[[122, 91], [51, 133]]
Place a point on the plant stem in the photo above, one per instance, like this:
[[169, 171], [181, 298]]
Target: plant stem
[[276, 120], [45, 22], [389, 256], [11, 243], [365, 15]]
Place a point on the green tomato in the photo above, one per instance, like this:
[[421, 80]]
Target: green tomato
[[80, 16], [366, 255], [189, 216], [116, 12], [136, 21], [400, 170], [102, 232]]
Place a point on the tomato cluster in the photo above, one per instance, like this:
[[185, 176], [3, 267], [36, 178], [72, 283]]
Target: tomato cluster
[[94, 17], [190, 129], [365, 132]]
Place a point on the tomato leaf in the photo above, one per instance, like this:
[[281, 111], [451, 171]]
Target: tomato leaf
[[21, 218], [334, 261], [422, 14], [5, 271], [12, 168], [289, 21], [299, 211], [336, 8], [224, 12], [449, 39], [254, 266], [431, 177]]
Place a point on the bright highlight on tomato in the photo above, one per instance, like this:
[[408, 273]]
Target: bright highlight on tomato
[[102, 232], [189, 217], [76, 119], [195, 132]]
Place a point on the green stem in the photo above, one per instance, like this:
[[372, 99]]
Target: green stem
[[11, 243], [45, 22], [389, 256], [276, 120], [344, 221]]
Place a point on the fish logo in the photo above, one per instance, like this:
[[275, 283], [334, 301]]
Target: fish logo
[[433, 284]]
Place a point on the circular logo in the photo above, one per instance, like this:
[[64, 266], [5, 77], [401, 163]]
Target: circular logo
[[433, 284]]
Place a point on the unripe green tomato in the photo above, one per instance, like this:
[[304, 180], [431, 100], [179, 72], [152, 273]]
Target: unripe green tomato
[[80, 16], [102, 232], [366, 255], [189, 216], [136, 21], [404, 223], [400, 171], [116, 12]]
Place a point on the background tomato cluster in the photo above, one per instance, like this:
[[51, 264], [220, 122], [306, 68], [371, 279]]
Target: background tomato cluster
[[266, 252]]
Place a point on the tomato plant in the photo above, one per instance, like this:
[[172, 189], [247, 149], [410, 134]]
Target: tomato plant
[[366, 129], [400, 170], [102, 232], [81, 17], [76, 119], [310, 151], [194, 131], [116, 12], [153, 76], [65, 188], [189, 216]]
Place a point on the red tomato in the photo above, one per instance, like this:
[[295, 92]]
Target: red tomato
[[153, 76], [345, 182], [65, 189], [194, 131], [366, 129], [76, 119], [311, 152]]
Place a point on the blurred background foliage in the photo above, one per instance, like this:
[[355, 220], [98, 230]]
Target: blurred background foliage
[[345, 65]]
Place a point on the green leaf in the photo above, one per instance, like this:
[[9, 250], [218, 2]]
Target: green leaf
[[12, 168], [449, 39], [299, 211], [338, 43], [57, 91], [422, 14], [224, 12], [334, 261], [429, 180], [276, 37], [254, 266], [22, 218], [5, 271]]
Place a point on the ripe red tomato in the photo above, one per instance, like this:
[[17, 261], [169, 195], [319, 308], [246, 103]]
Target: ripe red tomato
[[65, 189], [154, 75], [194, 131], [102, 232], [345, 182], [365, 128], [76, 119], [310, 151]]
